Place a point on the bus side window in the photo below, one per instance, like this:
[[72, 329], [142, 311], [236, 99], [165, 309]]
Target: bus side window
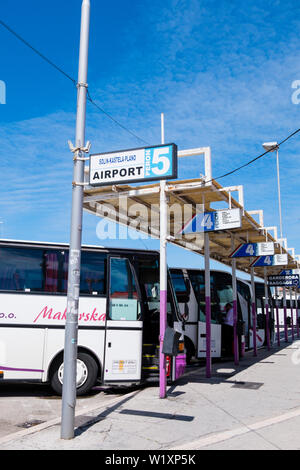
[[197, 280], [92, 273], [215, 299], [148, 274], [180, 286], [51, 270], [123, 294], [21, 269]]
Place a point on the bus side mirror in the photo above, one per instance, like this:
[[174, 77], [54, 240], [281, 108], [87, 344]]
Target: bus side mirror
[[171, 342]]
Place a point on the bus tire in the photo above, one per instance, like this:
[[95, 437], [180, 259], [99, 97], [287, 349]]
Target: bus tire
[[87, 373]]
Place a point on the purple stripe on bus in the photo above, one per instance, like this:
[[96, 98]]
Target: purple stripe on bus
[[19, 370]]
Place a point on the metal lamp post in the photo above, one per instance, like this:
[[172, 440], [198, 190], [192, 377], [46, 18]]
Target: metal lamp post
[[71, 329], [272, 146]]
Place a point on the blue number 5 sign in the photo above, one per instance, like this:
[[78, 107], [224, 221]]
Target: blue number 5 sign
[[158, 162]]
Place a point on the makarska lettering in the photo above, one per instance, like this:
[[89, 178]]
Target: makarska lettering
[[50, 314]]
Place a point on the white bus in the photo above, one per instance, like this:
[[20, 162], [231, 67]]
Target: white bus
[[261, 314], [244, 294], [189, 285], [118, 333]]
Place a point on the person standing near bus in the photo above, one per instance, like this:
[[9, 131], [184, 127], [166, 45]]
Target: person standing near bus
[[229, 315]]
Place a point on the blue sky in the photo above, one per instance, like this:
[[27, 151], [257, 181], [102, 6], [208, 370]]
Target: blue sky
[[221, 71]]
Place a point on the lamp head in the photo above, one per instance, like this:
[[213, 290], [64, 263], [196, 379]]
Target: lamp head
[[271, 146]]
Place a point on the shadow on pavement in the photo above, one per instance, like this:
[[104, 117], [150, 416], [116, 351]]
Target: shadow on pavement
[[90, 421]]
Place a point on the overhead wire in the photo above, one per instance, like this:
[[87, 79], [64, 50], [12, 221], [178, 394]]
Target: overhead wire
[[70, 78], [66, 75], [256, 158]]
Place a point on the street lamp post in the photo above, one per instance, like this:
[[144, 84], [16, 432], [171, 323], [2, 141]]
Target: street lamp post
[[272, 146], [71, 328]]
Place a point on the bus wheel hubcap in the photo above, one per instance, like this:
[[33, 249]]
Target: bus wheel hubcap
[[81, 373]]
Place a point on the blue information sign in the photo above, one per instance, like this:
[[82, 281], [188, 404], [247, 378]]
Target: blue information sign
[[253, 249], [272, 260], [263, 261], [134, 165], [291, 280], [213, 221], [204, 222]]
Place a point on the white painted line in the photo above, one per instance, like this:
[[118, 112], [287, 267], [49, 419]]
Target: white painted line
[[226, 435]]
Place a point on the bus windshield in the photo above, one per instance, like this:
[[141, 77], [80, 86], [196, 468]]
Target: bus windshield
[[221, 293]]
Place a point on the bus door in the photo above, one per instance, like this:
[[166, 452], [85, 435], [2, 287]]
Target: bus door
[[197, 280], [147, 268], [244, 310], [260, 312], [271, 315], [188, 307], [243, 316], [124, 326]]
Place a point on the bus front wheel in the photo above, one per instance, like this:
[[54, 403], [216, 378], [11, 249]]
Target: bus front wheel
[[86, 374]]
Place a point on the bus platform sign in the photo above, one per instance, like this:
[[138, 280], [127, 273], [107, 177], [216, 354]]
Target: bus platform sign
[[286, 272], [253, 249], [134, 165], [282, 280], [269, 260], [213, 221], [290, 271]]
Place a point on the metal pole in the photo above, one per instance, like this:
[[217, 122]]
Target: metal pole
[[292, 313], [284, 316], [267, 310], [235, 312], [297, 320], [71, 329], [279, 194], [277, 315], [253, 312], [207, 304], [163, 277]]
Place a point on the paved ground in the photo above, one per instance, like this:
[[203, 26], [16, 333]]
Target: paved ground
[[23, 405], [253, 406]]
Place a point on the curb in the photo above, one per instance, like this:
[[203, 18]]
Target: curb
[[56, 421]]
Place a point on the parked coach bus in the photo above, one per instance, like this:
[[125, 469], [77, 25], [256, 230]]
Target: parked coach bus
[[189, 285], [261, 312], [118, 334], [244, 294]]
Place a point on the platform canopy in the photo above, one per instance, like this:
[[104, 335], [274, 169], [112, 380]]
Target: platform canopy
[[138, 208]]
